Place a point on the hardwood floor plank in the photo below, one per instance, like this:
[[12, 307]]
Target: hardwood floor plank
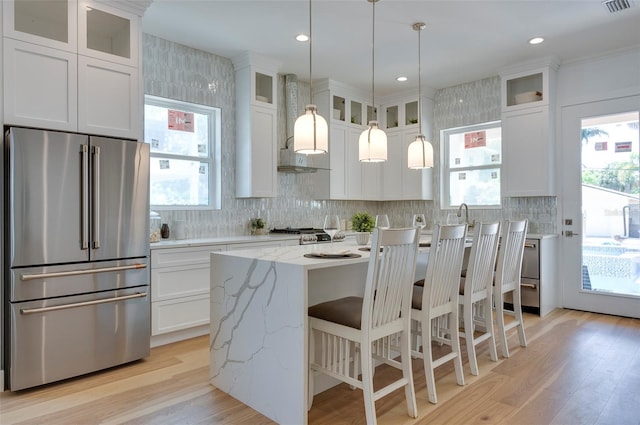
[[578, 368]]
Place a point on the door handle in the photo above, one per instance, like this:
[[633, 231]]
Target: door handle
[[84, 204], [570, 233], [96, 198], [82, 304], [81, 272]]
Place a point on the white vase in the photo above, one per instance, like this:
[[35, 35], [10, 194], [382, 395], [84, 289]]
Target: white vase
[[362, 238]]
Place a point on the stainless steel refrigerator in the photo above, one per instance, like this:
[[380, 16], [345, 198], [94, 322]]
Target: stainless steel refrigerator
[[76, 254]]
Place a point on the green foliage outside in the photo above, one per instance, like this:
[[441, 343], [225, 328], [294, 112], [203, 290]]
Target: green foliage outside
[[622, 176]]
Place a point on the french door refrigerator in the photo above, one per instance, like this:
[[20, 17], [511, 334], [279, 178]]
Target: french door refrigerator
[[76, 254]]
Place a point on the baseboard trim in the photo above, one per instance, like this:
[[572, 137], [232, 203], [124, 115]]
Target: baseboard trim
[[171, 337]]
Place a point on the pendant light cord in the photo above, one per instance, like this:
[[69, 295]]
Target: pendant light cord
[[310, 48], [420, 26], [373, 55]]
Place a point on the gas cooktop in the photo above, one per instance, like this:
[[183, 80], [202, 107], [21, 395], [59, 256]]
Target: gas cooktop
[[309, 235]]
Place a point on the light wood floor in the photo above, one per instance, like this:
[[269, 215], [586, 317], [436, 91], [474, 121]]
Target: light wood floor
[[578, 368]]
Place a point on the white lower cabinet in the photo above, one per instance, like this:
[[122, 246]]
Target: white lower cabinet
[[180, 288]]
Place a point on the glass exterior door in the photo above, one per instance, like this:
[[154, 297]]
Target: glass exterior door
[[601, 213]]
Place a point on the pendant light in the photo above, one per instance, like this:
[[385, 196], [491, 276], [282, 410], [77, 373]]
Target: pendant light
[[373, 141], [420, 153], [310, 131]]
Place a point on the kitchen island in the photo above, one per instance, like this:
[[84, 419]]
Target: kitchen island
[[259, 301]]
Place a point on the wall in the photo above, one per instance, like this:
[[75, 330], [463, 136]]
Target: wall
[[179, 72]]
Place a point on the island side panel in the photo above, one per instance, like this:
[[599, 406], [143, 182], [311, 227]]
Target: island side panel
[[258, 339]]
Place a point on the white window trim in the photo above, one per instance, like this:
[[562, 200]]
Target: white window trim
[[445, 170], [214, 159]]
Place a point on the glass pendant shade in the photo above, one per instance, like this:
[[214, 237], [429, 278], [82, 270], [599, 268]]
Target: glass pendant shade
[[310, 133], [373, 144], [420, 153]]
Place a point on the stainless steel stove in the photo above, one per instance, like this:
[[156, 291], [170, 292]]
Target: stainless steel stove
[[309, 235]]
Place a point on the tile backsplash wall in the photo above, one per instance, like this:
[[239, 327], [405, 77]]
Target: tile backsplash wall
[[175, 71]]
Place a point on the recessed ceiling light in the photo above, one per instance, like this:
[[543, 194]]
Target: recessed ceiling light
[[302, 37], [536, 40], [401, 79]]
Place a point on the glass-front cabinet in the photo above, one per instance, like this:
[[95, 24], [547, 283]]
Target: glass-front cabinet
[[411, 113], [356, 112], [263, 87], [50, 23], [339, 108], [107, 33], [391, 116]]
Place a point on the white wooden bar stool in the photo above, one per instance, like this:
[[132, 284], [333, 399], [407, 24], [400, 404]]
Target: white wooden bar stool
[[438, 299], [476, 294], [377, 325], [507, 279]]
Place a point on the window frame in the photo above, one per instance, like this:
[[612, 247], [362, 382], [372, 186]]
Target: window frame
[[445, 172], [214, 149]]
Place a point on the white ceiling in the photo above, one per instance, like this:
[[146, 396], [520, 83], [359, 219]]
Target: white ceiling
[[463, 40]]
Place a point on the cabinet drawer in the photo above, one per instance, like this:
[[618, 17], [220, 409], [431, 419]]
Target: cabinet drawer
[[172, 282], [183, 256], [181, 313]]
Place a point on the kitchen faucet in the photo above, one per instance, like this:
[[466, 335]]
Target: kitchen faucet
[[466, 214]]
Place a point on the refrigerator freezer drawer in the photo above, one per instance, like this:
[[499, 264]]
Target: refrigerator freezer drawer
[[55, 281], [69, 336]]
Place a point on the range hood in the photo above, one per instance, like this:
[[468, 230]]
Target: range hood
[[288, 160], [291, 162]]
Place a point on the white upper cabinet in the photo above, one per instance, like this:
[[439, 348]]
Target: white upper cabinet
[[72, 66], [398, 181], [528, 131], [341, 174], [40, 86], [108, 33], [256, 126], [50, 23]]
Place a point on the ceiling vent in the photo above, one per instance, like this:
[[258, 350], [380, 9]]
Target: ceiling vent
[[616, 5]]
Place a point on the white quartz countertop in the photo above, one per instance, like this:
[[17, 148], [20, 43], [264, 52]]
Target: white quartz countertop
[[226, 240], [295, 255], [175, 243]]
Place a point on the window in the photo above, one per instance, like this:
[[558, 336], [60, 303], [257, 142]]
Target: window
[[472, 157], [185, 154]]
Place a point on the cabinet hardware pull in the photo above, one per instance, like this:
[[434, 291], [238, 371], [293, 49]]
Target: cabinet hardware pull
[[80, 272], [82, 304], [528, 285]]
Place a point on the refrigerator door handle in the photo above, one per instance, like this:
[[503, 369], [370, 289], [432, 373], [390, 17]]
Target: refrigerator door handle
[[80, 272], [84, 204], [96, 197], [82, 304]]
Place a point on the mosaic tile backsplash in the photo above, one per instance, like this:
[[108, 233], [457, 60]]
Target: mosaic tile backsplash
[[175, 71]]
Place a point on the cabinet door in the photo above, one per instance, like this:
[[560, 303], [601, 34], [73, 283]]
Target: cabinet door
[[416, 184], [50, 23], [337, 162], [107, 33], [40, 86], [527, 144], [391, 169], [353, 166], [108, 98]]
